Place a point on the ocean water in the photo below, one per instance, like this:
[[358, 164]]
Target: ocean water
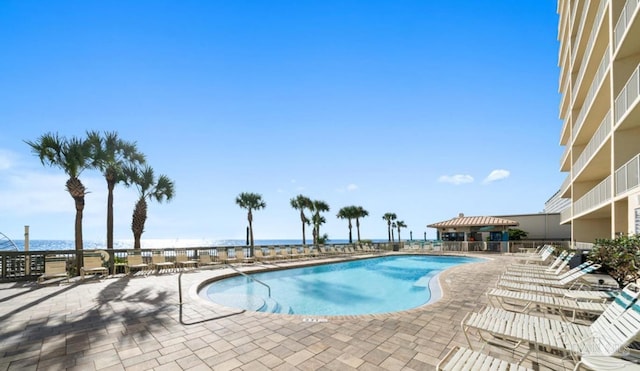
[[39, 245]]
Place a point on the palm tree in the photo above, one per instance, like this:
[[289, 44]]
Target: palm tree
[[348, 212], [360, 214], [111, 155], [250, 201], [300, 203], [389, 217], [149, 187], [72, 156], [317, 207], [400, 224], [393, 228]]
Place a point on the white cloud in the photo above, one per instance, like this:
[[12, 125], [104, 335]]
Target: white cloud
[[456, 179], [496, 175], [6, 160], [352, 187]]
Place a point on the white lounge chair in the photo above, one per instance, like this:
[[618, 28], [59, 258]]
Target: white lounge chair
[[562, 281], [557, 274], [525, 302], [614, 330], [556, 266], [578, 293], [463, 359]]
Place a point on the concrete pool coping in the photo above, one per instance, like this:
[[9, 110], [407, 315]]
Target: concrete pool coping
[[434, 287], [136, 323]]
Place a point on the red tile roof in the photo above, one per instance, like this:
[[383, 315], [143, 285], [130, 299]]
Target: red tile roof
[[474, 221]]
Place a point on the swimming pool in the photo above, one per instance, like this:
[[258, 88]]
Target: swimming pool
[[365, 286]]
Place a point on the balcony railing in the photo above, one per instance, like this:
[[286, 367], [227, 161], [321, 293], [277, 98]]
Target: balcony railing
[[628, 176], [583, 16], [628, 95], [565, 214], [596, 197], [593, 89], [596, 141], [565, 183], [624, 20], [590, 43]]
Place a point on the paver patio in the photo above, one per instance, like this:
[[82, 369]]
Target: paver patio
[[133, 323]]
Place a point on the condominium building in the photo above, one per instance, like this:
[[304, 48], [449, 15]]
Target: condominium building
[[599, 59]]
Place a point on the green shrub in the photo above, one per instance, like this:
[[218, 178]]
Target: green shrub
[[620, 258]]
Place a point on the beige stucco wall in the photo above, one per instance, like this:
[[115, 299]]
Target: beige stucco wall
[[541, 226]]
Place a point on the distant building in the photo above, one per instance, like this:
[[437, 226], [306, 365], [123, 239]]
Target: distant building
[[556, 204]]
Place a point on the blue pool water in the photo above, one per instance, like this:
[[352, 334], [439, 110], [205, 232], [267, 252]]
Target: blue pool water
[[367, 286]]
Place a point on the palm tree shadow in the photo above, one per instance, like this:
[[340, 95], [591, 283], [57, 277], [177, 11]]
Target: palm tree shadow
[[62, 337]]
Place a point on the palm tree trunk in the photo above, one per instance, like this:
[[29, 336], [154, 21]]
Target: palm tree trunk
[[304, 240], [78, 232], [350, 228], [110, 186], [137, 224], [358, 228], [250, 219], [389, 230]]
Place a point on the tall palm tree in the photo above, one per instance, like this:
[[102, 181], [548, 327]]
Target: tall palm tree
[[250, 201], [349, 213], [111, 155], [393, 228], [317, 207], [301, 203], [389, 217], [72, 156], [149, 188], [400, 224], [360, 214]]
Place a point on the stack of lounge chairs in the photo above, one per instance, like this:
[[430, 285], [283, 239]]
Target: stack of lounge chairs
[[537, 308]]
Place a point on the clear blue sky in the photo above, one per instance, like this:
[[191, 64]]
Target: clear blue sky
[[395, 106]]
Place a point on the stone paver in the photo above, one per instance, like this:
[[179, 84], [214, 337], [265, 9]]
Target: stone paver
[[135, 323]]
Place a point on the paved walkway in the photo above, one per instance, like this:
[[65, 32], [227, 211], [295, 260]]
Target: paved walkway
[[133, 323]]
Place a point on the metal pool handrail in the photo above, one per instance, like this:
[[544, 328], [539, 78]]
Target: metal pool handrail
[[251, 278]]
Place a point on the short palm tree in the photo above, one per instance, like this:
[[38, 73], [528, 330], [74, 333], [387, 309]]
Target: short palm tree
[[250, 201], [111, 155], [72, 155], [301, 203], [389, 217], [400, 224], [361, 213], [149, 188], [317, 207], [349, 213]]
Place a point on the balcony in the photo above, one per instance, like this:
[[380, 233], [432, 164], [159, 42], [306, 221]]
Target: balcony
[[576, 42], [590, 43], [628, 176], [625, 19], [627, 97], [600, 136], [565, 215], [596, 197], [593, 90], [564, 188]]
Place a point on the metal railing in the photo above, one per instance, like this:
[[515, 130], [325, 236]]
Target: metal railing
[[590, 43], [628, 95], [628, 175], [595, 198], [596, 141], [250, 278], [591, 94], [624, 20]]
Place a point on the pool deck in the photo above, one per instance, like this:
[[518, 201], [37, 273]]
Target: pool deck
[[134, 323]]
